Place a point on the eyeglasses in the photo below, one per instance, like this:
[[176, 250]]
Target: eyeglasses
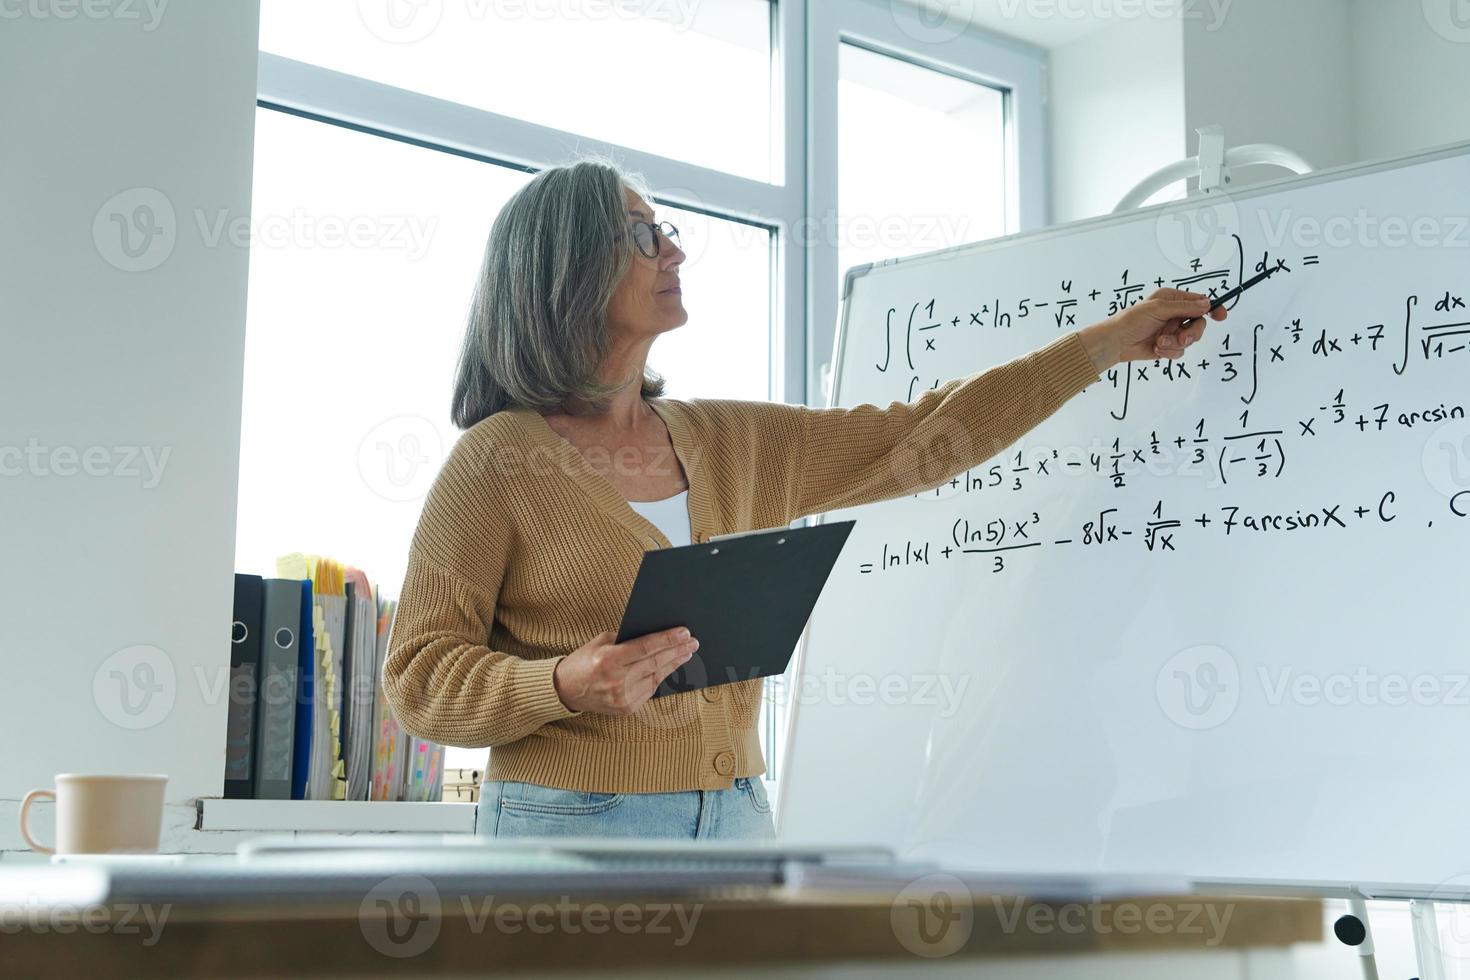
[[646, 236]]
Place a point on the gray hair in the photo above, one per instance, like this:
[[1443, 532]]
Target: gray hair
[[537, 330]]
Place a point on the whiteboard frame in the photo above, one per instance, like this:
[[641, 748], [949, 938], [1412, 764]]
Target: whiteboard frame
[[1331, 175], [1328, 176]]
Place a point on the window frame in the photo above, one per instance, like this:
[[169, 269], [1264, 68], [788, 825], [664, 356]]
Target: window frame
[[1016, 68], [806, 39], [336, 98], [805, 42]]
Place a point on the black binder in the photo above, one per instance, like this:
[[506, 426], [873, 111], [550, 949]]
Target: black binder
[[275, 711], [245, 650], [745, 599]]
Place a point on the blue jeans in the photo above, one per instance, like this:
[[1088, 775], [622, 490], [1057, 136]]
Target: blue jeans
[[510, 808]]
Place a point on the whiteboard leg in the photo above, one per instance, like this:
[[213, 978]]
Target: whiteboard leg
[[1426, 940], [1353, 930]]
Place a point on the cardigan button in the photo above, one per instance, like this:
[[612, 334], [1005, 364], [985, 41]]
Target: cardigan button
[[711, 694], [724, 763]]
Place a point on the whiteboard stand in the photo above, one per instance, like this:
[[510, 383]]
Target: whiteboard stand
[[1353, 930], [1426, 940], [1212, 165]]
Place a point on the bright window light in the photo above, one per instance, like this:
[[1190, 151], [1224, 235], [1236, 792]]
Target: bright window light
[[921, 159], [686, 79], [364, 252]]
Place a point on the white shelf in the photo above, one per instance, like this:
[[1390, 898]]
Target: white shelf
[[339, 816]]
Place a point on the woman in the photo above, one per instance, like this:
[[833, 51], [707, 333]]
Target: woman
[[571, 465]]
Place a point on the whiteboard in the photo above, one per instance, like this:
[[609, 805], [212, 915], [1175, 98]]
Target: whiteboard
[[1209, 621]]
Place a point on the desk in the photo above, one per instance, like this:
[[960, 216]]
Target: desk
[[393, 931]]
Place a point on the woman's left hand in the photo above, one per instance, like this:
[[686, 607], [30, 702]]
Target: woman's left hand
[[1161, 326]]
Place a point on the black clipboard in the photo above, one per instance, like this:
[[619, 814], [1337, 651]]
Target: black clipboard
[[745, 599]]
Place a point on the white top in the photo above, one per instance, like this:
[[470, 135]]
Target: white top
[[670, 515]]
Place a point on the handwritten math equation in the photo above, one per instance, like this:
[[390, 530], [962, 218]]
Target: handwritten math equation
[[1161, 529], [1247, 444]]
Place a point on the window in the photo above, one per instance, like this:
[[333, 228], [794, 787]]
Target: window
[[724, 351], [684, 79], [922, 159], [391, 132], [364, 253]]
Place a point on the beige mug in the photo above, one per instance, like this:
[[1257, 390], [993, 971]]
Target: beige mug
[[98, 814]]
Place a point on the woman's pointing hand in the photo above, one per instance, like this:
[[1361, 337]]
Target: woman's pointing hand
[[1161, 326]]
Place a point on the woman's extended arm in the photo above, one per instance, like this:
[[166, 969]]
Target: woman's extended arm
[[849, 456], [859, 455]]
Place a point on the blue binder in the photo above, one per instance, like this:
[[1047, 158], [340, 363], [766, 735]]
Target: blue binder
[[306, 686]]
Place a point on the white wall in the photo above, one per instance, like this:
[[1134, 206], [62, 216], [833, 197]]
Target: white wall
[[107, 356], [1274, 71], [1112, 126], [1411, 75], [1339, 81]]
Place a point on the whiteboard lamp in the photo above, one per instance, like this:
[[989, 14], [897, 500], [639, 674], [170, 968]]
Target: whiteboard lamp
[[1212, 166]]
